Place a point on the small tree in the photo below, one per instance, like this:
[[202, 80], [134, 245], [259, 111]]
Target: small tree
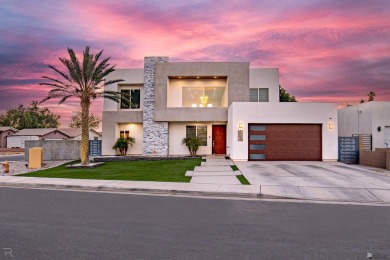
[[76, 121], [284, 96], [192, 144], [122, 144], [371, 96]]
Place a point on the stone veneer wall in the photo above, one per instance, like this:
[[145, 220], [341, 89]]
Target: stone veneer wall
[[155, 133]]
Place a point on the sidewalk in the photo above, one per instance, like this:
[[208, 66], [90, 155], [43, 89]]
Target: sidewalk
[[382, 196]]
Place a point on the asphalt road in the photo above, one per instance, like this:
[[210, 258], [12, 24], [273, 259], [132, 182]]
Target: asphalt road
[[45, 224]]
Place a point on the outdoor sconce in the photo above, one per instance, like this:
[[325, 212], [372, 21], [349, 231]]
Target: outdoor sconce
[[240, 125], [379, 129], [330, 126]]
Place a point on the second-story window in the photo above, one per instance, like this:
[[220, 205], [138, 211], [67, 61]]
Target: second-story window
[[258, 95], [132, 99]]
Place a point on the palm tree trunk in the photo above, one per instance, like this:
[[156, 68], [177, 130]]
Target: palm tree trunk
[[84, 131]]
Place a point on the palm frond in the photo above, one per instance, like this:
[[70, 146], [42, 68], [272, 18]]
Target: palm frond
[[109, 82], [64, 99], [60, 72]]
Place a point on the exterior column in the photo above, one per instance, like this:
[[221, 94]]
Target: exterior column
[[155, 134]]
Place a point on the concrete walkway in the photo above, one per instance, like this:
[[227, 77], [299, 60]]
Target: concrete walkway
[[216, 170]]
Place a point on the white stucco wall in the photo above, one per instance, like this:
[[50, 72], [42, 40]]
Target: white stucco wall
[[371, 115], [380, 118], [135, 130], [266, 78], [284, 112], [174, 93], [177, 131], [18, 141], [130, 76], [355, 120]]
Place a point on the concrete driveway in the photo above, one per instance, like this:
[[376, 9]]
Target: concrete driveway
[[319, 180]]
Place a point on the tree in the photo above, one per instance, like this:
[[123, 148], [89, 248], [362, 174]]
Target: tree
[[84, 81], [30, 117], [94, 121], [371, 96], [284, 96], [122, 144]]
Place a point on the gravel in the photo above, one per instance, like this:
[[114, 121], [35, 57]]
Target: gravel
[[21, 167]]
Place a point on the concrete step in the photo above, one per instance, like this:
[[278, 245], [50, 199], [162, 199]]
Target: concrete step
[[189, 173], [212, 168], [215, 179], [230, 173], [216, 163]]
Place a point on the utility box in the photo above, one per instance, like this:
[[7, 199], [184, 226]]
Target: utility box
[[35, 158]]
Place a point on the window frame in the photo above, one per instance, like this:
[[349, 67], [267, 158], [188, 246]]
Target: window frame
[[197, 128], [130, 89], [258, 95]]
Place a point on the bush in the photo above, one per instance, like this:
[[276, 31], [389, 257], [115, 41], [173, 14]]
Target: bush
[[193, 144], [122, 144]]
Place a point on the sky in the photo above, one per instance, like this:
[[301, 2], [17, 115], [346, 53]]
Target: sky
[[326, 50]]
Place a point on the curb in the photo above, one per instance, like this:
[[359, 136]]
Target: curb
[[137, 190], [153, 191]]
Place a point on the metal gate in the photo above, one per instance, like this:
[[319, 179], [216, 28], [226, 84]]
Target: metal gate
[[95, 147], [349, 149]]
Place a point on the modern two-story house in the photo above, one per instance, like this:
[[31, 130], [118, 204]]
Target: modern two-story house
[[235, 109]]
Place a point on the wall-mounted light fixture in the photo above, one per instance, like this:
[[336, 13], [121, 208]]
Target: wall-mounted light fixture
[[330, 125], [379, 128], [240, 125]]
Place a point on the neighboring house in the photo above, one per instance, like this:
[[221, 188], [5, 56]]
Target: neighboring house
[[18, 139], [235, 109], [371, 118], [4, 132], [75, 133]]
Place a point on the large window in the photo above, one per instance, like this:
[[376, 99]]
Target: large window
[[203, 97], [197, 131], [132, 99], [258, 95]]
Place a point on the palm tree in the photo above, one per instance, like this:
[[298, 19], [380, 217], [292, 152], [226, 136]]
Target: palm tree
[[371, 96], [84, 81]]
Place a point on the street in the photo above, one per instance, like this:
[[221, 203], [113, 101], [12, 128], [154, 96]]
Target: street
[[55, 224]]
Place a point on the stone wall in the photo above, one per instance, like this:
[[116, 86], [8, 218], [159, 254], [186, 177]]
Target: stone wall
[[379, 158], [55, 150], [155, 134]]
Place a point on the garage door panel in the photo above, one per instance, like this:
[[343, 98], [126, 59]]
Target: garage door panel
[[286, 142]]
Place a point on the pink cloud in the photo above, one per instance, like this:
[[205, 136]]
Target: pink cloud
[[326, 50]]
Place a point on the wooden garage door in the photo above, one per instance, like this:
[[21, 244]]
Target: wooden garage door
[[285, 142]]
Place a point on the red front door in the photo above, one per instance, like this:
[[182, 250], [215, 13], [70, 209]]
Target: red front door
[[219, 139]]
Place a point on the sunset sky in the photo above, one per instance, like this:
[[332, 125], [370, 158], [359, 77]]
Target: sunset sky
[[326, 50]]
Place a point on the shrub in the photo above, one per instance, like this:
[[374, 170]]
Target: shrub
[[192, 143], [122, 144]]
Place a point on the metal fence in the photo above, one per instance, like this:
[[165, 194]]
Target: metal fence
[[349, 149]]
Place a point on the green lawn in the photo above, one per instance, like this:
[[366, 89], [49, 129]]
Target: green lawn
[[167, 171]]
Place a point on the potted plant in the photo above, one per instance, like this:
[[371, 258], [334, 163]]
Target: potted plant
[[122, 144], [193, 144]]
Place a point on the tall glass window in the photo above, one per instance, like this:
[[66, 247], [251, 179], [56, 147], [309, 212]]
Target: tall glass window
[[203, 96]]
